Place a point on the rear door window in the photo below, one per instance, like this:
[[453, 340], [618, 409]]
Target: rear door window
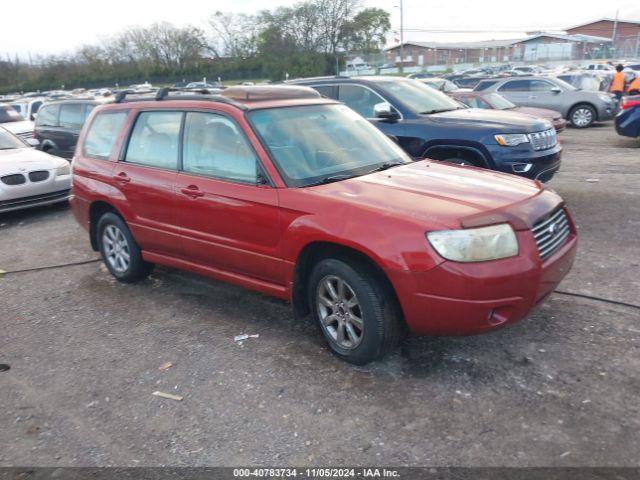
[[48, 116], [71, 115], [155, 140], [103, 133]]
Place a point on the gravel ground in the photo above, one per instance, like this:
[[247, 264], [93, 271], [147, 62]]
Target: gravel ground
[[559, 388]]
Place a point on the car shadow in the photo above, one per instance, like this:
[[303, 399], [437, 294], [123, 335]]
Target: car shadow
[[16, 217]]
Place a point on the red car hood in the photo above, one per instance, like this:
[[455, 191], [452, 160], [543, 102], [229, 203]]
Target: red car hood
[[447, 196], [538, 112]]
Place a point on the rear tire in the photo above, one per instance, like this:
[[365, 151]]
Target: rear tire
[[119, 250], [582, 116], [358, 316]]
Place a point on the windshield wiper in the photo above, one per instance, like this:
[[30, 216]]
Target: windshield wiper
[[385, 166], [429, 112], [330, 179]]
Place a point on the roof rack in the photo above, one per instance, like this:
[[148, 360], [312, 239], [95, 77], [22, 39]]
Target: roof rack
[[164, 94]]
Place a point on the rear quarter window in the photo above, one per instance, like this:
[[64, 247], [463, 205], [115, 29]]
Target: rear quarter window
[[48, 116], [103, 133]]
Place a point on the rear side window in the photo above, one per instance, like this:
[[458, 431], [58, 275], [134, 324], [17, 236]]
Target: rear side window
[[484, 85], [71, 115], [516, 86], [103, 133], [48, 116], [215, 146], [155, 140]]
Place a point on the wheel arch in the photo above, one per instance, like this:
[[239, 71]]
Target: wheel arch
[[316, 251], [442, 152], [96, 211]]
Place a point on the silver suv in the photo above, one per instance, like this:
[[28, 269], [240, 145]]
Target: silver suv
[[580, 107]]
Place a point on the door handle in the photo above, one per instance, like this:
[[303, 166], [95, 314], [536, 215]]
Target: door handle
[[192, 191], [122, 177]]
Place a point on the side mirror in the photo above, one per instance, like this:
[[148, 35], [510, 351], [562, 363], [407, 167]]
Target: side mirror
[[34, 142], [556, 90], [385, 110]]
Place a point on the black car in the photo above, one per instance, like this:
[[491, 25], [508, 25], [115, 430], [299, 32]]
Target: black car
[[59, 123], [427, 123]]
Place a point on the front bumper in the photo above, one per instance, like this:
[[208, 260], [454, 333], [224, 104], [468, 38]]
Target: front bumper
[[34, 194], [525, 162], [607, 112], [560, 124], [471, 298]]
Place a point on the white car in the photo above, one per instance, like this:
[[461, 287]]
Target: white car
[[28, 107], [11, 119], [29, 177]]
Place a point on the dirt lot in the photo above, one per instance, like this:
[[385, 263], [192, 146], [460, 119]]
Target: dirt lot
[[559, 388]]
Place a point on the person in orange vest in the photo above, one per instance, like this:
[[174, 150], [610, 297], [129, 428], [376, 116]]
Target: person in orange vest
[[634, 86], [617, 85]]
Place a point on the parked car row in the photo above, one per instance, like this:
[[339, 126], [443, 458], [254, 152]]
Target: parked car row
[[314, 205]]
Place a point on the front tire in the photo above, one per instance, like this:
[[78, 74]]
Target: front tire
[[357, 315], [119, 250], [582, 116]]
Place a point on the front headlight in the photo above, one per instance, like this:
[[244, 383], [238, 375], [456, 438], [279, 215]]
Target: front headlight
[[511, 139], [63, 170], [475, 244]]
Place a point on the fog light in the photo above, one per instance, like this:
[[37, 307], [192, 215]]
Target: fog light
[[521, 167]]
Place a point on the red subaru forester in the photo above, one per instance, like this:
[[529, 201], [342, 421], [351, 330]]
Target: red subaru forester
[[279, 190]]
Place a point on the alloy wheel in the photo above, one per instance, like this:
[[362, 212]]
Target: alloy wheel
[[340, 312], [116, 248], [582, 117]]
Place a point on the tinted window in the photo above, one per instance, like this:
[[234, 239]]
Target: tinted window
[[48, 116], [155, 139], [540, 86], [360, 99], [516, 86], [215, 146], [71, 115], [35, 106], [9, 114], [103, 133], [485, 85], [326, 90]]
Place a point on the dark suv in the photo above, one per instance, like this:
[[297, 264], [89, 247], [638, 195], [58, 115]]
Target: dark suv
[[427, 123], [59, 123]]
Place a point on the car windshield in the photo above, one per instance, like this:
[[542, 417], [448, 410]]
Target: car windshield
[[9, 142], [418, 96], [323, 143], [499, 102]]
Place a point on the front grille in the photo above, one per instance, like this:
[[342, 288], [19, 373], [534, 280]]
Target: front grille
[[15, 179], [38, 176], [551, 233], [543, 140], [34, 200]]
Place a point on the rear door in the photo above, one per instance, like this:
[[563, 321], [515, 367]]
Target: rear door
[[47, 128], [229, 218], [145, 177]]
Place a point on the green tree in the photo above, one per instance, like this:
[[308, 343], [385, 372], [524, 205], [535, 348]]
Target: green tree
[[367, 32]]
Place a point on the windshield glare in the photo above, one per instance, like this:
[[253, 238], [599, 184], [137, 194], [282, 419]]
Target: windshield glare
[[311, 143], [499, 102], [9, 142], [420, 97]]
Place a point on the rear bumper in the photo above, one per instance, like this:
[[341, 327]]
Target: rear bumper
[[466, 299], [628, 123]]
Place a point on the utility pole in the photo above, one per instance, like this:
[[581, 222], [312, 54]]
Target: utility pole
[[401, 38], [615, 31]]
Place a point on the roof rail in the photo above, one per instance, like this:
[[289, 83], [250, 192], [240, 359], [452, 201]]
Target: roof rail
[[164, 94]]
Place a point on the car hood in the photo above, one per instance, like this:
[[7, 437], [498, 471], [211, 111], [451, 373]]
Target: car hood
[[501, 121], [27, 160], [18, 127], [538, 112], [441, 195]]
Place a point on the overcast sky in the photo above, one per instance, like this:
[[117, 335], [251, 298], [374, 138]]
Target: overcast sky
[[46, 26]]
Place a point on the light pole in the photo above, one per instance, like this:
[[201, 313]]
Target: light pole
[[401, 38]]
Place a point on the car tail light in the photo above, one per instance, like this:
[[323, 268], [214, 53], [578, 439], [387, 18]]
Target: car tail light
[[630, 103]]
